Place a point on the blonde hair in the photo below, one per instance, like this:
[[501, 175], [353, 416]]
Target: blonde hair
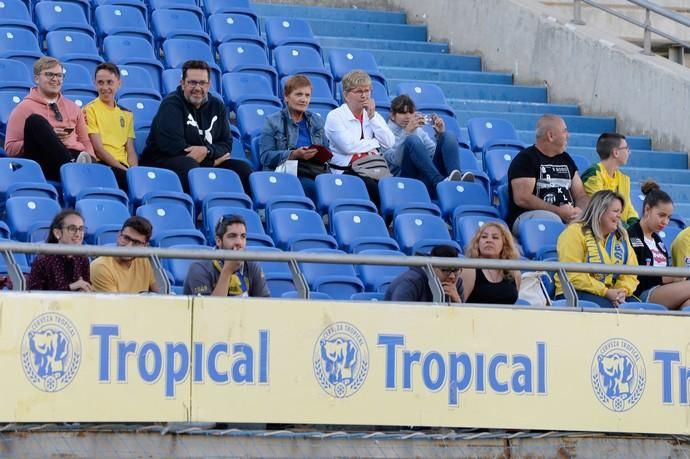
[[45, 62], [599, 203], [508, 252], [354, 79]]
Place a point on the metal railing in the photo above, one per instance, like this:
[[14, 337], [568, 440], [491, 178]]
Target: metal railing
[[7, 248], [647, 27]]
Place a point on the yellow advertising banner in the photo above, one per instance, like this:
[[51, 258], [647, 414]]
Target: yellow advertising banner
[[150, 358], [90, 358]]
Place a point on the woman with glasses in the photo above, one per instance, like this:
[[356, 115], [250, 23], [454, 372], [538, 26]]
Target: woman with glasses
[[672, 292], [291, 133], [493, 286], [599, 237], [62, 272], [46, 126]]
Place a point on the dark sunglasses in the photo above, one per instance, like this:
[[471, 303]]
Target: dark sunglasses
[[56, 111], [450, 270]]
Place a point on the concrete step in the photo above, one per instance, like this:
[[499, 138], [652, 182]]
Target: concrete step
[[513, 107], [642, 158], [338, 14], [578, 139], [370, 30], [640, 174], [393, 45], [437, 75], [525, 121], [484, 91], [387, 58]]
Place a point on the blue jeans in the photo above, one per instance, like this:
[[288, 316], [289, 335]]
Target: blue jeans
[[416, 162], [600, 300]]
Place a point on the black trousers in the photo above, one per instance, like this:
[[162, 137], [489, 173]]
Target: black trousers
[[181, 165], [42, 145]]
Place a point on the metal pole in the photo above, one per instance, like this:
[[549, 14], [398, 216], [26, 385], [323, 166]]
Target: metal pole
[[577, 13]]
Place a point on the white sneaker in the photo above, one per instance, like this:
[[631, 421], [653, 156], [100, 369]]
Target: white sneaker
[[467, 177], [454, 176], [84, 158]]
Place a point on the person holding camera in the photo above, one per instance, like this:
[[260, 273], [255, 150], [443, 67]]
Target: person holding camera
[[415, 154]]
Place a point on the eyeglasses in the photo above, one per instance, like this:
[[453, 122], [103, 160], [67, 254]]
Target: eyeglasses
[[51, 75], [450, 271], [195, 83], [361, 92], [134, 242], [74, 229], [56, 111], [625, 148]]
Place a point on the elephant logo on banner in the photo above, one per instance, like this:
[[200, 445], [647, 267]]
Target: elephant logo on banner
[[51, 352], [618, 375], [341, 360]]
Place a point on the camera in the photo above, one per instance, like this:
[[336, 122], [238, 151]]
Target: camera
[[428, 119]]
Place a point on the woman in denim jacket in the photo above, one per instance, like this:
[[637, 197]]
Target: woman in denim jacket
[[289, 133]]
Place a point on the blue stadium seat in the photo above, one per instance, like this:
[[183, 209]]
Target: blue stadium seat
[[210, 186], [503, 196], [243, 7], [15, 14], [168, 24], [468, 162], [178, 267], [241, 88], [234, 28], [247, 57], [74, 47], [340, 281], [144, 110], [368, 296], [19, 44], [336, 192], [138, 4], [15, 76], [343, 60], [299, 229], [277, 273], [487, 131], [19, 258], [172, 224], [464, 198], [643, 306], [538, 238], [312, 295], [104, 219], [274, 190], [289, 31], [255, 153], [133, 51], [23, 177], [65, 16], [356, 231], [292, 60], [96, 181], [379, 93], [582, 303], [256, 236], [136, 83], [78, 82], [27, 215], [496, 164], [581, 162], [85, 6], [8, 101], [182, 5], [124, 20], [465, 227], [177, 51], [152, 185], [428, 97], [401, 195], [668, 235], [140, 140], [251, 118], [419, 233]]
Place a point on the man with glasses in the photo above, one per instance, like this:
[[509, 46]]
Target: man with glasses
[[126, 274], [47, 127], [227, 277], [191, 129], [614, 153], [413, 284]]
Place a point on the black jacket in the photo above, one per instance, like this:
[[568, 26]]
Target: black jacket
[[644, 256], [179, 125]]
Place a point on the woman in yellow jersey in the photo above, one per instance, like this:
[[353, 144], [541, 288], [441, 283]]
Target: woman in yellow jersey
[[599, 237]]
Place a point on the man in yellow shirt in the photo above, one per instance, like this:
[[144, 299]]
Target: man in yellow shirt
[[111, 127], [126, 274], [606, 175], [680, 249]]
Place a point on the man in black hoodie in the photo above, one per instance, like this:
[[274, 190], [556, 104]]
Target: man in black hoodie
[[191, 129]]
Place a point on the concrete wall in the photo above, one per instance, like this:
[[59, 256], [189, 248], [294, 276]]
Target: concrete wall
[[579, 64]]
